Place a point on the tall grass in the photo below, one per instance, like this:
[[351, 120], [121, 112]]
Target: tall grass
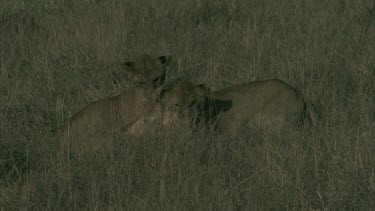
[[57, 56]]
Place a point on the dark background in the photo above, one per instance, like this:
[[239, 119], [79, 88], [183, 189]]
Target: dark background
[[57, 56]]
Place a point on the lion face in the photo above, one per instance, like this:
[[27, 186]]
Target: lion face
[[177, 100], [147, 73], [185, 103]]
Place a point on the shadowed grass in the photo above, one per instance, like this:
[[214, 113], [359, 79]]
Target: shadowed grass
[[57, 56]]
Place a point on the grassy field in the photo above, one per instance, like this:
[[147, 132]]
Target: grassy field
[[57, 56]]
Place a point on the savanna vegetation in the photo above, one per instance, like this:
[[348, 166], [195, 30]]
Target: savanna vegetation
[[57, 56]]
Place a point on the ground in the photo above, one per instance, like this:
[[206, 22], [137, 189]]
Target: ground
[[57, 56]]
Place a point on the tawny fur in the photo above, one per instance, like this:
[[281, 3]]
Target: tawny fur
[[93, 126], [269, 104], [172, 109]]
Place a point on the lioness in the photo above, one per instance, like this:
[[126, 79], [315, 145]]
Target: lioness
[[96, 122], [181, 103], [266, 104]]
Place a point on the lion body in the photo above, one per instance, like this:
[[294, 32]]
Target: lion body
[[93, 127], [269, 104]]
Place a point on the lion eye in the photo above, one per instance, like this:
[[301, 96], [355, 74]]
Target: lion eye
[[157, 82], [142, 84], [156, 79], [193, 103]]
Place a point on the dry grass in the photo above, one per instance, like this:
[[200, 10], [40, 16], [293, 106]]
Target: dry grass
[[56, 56]]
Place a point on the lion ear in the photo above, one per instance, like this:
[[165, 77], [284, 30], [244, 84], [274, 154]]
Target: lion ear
[[129, 64], [127, 67], [164, 60], [202, 89]]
